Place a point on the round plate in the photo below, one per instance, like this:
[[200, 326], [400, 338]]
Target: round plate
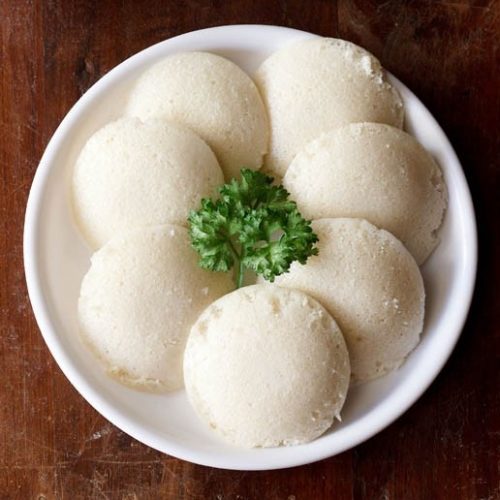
[[56, 259]]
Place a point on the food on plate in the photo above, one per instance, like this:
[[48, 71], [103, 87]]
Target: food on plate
[[374, 172], [213, 97], [269, 364], [252, 225], [265, 366], [373, 288], [138, 301], [317, 84], [131, 174]]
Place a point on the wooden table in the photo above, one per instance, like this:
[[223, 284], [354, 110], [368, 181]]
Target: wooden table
[[54, 445]]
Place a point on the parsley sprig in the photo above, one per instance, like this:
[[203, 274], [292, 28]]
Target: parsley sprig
[[252, 225]]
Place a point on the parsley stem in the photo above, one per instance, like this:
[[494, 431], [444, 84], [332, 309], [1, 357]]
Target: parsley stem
[[240, 274], [239, 258], [241, 270], [233, 249]]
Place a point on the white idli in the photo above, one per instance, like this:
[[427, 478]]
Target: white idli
[[266, 366], [138, 301], [314, 85], [213, 97], [374, 172], [131, 174], [373, 288]]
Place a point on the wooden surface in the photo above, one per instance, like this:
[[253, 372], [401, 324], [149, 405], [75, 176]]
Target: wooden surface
[[54, 445]]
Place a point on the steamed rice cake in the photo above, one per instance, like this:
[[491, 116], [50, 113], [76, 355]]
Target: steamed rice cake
[[131, 174], [212, 96], [373, 288], [375, 172], [138, 301], [266, 366], [317, 84]]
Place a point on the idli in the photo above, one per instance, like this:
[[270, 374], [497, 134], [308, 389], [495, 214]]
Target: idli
[[213, 97], [266, 366], [138, 301], [317, 84], [374, 172], [131, 174], [373, 288]]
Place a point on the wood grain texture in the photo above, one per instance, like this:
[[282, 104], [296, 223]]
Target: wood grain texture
[[54, 445]]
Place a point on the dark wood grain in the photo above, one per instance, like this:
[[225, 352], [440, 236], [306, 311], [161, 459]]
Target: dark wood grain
[[54, 445]]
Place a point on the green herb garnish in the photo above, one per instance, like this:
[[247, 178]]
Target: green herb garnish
[[252, 225]]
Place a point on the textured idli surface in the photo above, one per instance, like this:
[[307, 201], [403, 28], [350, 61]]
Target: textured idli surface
[[312, 86], [138, 301], [373, 288], [374, 172], [213, 97], [266, 366], [131, 174]]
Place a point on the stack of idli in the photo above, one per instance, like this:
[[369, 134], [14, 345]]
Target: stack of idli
[[191, 120], [264, 365]]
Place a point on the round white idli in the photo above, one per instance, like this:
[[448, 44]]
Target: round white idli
[[375, 172], [266, 366], [317, 84], [138, 301], [131, 174], [213, 97], [373, 288]]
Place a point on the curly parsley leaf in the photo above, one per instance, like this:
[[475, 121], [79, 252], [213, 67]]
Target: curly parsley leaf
[[254, 225]]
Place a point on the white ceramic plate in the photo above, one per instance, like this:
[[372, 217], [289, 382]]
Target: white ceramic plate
[[56, 259]]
